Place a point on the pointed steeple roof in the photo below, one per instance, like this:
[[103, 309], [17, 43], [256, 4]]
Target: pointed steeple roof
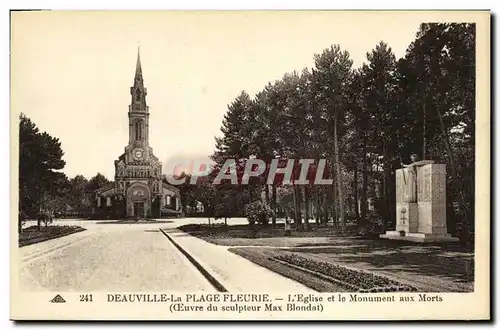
[[138, 69]]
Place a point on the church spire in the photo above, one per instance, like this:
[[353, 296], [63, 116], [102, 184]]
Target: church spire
[[138, 69], [138, 91]]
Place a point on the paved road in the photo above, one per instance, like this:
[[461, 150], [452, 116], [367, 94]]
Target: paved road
[[110, 257]]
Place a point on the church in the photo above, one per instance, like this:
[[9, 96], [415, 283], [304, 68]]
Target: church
[[138, 190]]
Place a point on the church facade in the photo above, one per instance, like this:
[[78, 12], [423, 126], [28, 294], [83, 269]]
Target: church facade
[[138, 190]]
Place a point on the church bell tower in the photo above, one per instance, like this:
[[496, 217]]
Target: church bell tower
[[138, 171], [138, 114], [138, 190]]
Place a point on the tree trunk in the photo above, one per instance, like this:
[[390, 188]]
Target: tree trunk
[[451, 222], [40, 209], [273, 205], [339, 175], [458, 184], [447, 143], [318, 208], [424, 144], [364, 192], [298, 216], [250, 193], [299, 205], [355, 191], [252, 228], [387, 178], [334, 204], [325, 205], [306, 207], [266, 190]]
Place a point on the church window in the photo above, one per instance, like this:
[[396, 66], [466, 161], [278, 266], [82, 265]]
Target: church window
[[138, 95], [138, 130]]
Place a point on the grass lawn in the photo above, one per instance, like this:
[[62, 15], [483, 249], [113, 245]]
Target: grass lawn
[[241, 235], [427, 267], [432, 268], [133, 221], [31, 235]]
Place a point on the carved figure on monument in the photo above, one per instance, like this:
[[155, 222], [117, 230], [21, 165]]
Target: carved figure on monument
[[411, 180]]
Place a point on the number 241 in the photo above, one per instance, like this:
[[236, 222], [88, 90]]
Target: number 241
[[85, 298]]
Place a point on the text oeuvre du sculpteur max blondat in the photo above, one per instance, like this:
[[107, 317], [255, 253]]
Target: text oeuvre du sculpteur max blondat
[[243, 302]]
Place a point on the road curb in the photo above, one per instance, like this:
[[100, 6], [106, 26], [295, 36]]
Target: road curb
[[215, 283]]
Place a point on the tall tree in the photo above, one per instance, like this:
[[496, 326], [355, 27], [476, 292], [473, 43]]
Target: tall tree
[[79, 196], [379, 76], [333, 70], [40, 159], [95, 183]]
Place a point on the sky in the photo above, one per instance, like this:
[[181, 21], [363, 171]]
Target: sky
[[71, 72]]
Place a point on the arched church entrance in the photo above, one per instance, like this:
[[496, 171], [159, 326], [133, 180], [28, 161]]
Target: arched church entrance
[[138, 200]]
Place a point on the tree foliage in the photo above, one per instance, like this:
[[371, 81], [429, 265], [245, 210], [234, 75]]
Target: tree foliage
[[44, 190], [365, 121], [40, 162]]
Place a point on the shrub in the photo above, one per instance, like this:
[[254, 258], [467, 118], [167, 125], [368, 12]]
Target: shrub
[[45, 217], [258, 212], [365, 282]]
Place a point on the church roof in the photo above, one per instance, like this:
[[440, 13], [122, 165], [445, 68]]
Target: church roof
[[171, 187], [122, 158], [107, 187]]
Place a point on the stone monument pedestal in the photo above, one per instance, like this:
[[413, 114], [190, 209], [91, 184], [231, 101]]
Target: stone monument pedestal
[[419, 237], [421, 204]]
